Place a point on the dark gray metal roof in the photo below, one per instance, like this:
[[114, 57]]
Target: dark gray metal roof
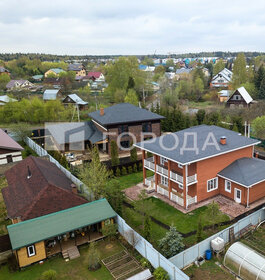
[[245, 171], [169, 150], [123, 113]]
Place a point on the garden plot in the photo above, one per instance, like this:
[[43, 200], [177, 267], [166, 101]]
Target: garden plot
[[122, 265]]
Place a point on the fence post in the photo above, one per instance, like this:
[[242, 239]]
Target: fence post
[[145, 253], [158, 258]]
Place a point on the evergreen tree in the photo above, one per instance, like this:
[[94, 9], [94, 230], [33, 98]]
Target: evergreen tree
[[147, 228], [200, 115], [259, 75], [114, 195], [261, 94], [133, 154], [114, 153]]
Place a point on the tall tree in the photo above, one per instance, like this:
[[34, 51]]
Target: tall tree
[[131, 97], [258, 126], [114, 153], [261, 93], [4, 79], [239, 71]]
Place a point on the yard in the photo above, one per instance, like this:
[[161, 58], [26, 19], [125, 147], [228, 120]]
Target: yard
[[74, 269]]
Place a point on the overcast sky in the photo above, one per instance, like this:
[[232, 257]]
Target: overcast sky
[[131, 26]]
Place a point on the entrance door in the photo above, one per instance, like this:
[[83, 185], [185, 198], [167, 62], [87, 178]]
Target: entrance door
[[237, 195]]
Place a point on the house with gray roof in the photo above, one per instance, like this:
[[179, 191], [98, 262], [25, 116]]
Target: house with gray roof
[[74, 99], [222, 79], [240, 98], [3, 70], [19, 85], [188, 165]]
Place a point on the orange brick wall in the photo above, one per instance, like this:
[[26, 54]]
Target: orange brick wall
[[256, 192], [208, 169]]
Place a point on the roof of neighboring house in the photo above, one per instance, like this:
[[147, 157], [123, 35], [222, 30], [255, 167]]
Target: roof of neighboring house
[[77, 131], [46, 191], [50, 94], [245, 171], [37, 77], [75, 67], [12, 83], [94, 74], [35, 230], [142, 67], [123, 113], [6, 142], [183, 71], [6, 99], [56, 70], [171, 148], [225, 93], [245, 95], [76, 99], [225, 73], [3, 69]]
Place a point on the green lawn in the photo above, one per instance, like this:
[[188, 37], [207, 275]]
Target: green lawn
[[74, 270], [133, 179], [3, 222]]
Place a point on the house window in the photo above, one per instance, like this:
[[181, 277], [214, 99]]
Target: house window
[[123, 128], [180, 165], [180, 186], [237, 97], [147, 127], [227, 186], [125, 144], [31, 250], [164, 181], [163, 160], [212, 184]]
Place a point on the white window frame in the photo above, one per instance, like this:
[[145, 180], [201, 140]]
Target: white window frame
[[180, 166], [235, 196], [163, 160], [227, 182], [164, 180], [34, 251], [180, 186], [213, 181]]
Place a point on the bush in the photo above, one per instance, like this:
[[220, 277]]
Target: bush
[[12, 264], [135, 168], [49, 275], [161, 274], [124, 170], [114, 153], [118, 172], [140, 166], [130, 170], [93, 257], [133, 154], [146, 264]]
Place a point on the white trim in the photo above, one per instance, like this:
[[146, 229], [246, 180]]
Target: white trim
[[226, 189], [216, 155], [34, 252], [215, 178], [99, 125], [240, 183], [180, 165]]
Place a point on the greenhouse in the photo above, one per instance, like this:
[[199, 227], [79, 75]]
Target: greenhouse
[[245, 262]]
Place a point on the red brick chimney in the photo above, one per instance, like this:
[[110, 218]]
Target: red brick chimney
[[101, 111], [223, 140]]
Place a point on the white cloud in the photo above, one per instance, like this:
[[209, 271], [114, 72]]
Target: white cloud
[[131, 27]]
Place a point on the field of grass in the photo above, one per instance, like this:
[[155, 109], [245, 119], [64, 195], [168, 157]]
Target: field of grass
[[3, 222], [133, 179], [74, 269]]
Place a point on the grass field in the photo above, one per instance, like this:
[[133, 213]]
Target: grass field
[[74, 269], [132, 179]]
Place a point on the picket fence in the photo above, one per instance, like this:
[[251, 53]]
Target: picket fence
[[140, 244], [190, 255]]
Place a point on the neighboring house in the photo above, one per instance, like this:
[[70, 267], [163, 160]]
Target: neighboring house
[[224, 95], [51, 94], [170, 75], [54, 71], [19, 85], [37, 187], [125, 118], [6, 99], [3, 70], [74, 99], [10, 150], [182, 73], [222, 79], [206, 72], [60, 232], [37, 78], [190, 176], [78, 68], [95, 76], [240, 98]]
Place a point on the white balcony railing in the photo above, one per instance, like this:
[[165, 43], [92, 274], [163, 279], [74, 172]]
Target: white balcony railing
[[176, 177], [161, 170], [177, 199], [162, 191], [149, 163], [192, 179], [149, 182], [192, 200]]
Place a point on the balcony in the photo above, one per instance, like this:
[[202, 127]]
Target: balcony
[[149, 163], [162, 170], [178, 178], [163, 190]]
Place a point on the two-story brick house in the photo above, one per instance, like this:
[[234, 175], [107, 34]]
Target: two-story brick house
[[195, 164], [124, 118]]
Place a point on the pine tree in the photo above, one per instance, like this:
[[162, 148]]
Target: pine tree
[[261, 94], [260, 74], [147, 228], [133, 154], [114, 153]]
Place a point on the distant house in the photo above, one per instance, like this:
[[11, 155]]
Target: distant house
[[4, 99], [37, 78], [74, 99], [10, 150], [37, 187], [78, 68], [170, 75], [224, 95], [19, 85], [51, 94], [95, 76], [182, 72], [54, 71], [222, 79], [240, 98], [3, 70]]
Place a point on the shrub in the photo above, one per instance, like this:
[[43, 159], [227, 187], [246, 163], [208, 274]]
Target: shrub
[[118, 172], [133, 154], [124, 170], [135, 168], [49, 275], [109, 230], [161, 274], [12, 263], [146, 264], [140, 166], [130, 170], [114, 153], [93, 257]]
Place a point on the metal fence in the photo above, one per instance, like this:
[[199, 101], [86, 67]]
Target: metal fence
[[190, 255], [141, 245]]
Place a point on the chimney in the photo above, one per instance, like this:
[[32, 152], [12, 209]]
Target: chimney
[[29, 173], [74, 188], [223, 140], [101, 111]]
